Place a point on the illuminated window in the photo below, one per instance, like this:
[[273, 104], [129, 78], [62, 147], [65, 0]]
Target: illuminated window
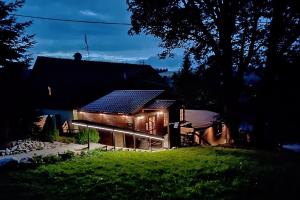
[[147, 126], [181, 114], [166, 123], [152, 126]]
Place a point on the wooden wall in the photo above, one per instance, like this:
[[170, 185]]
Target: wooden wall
[[122, 121]]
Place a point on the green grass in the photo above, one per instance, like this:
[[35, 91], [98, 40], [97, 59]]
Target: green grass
[[186, 173]]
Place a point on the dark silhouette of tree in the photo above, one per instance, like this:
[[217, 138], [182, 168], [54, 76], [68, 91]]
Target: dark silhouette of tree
[[239, 34], [16, 110], [184, 82], [14, 42]]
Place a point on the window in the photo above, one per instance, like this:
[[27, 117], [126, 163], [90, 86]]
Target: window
[[166, 120], [152, 125], [181, 114]]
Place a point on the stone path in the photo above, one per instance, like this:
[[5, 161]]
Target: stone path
[[60, 148]]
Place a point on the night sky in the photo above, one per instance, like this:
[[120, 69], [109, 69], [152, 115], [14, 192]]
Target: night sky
[[106, 42]]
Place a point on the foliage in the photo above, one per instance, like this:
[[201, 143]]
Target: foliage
[[52, 159], [66, 140], [17, 116], [186, 173], [49, 133], [14, 41], [238, 35], [82, 136], [67, 155], [184, 82]]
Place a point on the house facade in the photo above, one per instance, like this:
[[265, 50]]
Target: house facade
[[61, 86], [132, 119], [203, 127]]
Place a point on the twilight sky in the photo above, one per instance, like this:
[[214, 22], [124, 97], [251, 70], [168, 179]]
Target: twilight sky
[[106, 42]]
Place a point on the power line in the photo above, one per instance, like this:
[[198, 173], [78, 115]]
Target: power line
[[72, 20]]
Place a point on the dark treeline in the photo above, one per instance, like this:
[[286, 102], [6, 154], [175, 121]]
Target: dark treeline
[[228, 40], [16, 108]]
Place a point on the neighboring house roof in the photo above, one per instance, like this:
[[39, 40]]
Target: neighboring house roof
[[122, 101], [200, 118], [160, 104], [67, 84]]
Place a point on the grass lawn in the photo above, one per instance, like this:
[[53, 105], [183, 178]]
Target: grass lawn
[[186, 173]]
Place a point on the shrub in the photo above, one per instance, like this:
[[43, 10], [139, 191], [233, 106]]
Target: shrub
[[67, 155], [51, 159], [37, 159], [64, 139], [49, 133], [82, 136], [54, 135]]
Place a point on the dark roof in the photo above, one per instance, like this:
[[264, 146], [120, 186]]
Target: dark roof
[[122, 101], [160, 104], [75, 83]]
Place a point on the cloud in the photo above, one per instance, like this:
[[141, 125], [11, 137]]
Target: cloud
[[106, 42], [94, 56], [88, 13]]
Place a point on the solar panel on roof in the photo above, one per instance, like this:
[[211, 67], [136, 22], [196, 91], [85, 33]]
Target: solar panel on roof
[[122, 101]]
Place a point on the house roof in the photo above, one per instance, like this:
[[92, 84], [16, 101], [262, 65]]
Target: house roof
[[122, 101], [74, 83], [160, 104]]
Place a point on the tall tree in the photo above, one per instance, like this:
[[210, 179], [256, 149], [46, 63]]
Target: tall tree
[[14, 42], [14, 60], [184, 81], [236, 32]]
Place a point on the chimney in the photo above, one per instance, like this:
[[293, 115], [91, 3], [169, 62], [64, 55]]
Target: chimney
[[77, 56]]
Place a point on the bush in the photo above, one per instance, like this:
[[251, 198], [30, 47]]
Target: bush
[[82, 136], [64, 139], [54, 135], [49, 133], [51, 159], [67, 155]]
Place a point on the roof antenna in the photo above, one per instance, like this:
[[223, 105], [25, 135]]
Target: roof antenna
[[86, 45]]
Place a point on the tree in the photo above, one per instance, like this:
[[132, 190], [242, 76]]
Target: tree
[[14, 42], [16, 113], [237, 32], [184, 82]]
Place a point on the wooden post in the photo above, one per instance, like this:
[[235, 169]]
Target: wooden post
[[114, 143], [134, 143], [150, 144], [88, 140]]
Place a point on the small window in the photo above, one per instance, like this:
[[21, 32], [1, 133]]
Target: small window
[[166, 123], [147, 126], [181, 114]]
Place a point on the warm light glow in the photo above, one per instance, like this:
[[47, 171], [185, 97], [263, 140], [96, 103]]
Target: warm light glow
[[140, 117], [116, 130], [160, 113]]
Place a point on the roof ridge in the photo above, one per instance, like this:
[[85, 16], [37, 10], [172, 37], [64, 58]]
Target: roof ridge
[[138, 90], [94, 61], [165, 100]]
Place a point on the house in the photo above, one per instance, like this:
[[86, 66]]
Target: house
[[60, 86], [203, 127], [132, 118]]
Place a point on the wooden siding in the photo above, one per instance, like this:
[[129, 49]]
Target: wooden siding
[[140, 123], [122, 121]]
